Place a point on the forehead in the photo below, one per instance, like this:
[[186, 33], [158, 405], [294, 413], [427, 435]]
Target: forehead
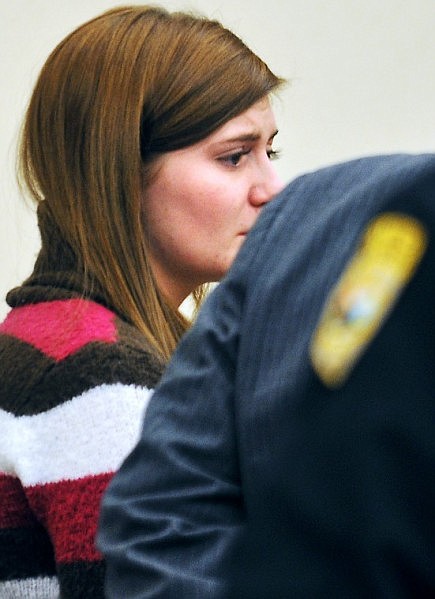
[[259, 118]]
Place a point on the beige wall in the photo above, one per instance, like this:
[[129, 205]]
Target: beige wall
[[362, 82]]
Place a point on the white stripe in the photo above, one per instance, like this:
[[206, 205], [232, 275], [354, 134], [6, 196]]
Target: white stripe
[[90, 434], [30, 588]]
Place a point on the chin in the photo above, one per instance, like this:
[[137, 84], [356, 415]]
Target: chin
[[218, 274], [221, 268]]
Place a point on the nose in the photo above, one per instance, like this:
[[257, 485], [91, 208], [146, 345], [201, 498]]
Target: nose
[[267, 184]]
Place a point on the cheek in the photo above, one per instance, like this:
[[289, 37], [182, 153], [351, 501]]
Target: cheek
[[194, 206], [205, 210]]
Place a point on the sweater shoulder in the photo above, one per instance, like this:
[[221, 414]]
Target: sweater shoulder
[[52, 351]]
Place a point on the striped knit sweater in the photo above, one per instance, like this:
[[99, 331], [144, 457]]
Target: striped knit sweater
[[75, 380]]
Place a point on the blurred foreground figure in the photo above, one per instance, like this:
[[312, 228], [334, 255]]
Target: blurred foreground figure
[[289, 450]]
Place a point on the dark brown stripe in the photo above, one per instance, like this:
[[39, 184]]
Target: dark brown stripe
[[82, 579], [31, 383], [25, 552]]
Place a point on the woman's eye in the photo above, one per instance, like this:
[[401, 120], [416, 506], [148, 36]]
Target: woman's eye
[[235, 158], [273, 154]]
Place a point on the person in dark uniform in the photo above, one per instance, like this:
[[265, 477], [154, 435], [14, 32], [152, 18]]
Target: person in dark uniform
[[289, 451]]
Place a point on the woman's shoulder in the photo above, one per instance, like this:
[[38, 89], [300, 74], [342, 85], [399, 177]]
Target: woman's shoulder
[[53, 351]]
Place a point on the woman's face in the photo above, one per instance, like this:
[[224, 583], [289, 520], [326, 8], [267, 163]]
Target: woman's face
[[206, 197]]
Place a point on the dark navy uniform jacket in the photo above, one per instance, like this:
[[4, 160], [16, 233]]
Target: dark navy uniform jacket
[[289, 450]]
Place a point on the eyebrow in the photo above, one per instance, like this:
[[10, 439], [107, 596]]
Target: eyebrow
[[254, 136]]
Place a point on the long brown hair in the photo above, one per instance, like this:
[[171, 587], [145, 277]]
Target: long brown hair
[[129, 84]]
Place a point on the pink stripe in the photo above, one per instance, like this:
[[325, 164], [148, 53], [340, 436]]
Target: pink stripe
[[60, 328]]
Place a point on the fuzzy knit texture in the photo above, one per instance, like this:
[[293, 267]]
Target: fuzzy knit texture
[[75, 380]]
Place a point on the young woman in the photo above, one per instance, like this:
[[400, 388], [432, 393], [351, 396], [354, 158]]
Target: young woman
[[147, 146]]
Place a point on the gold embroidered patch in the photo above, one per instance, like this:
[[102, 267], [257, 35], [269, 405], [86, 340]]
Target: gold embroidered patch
[[391, 248]]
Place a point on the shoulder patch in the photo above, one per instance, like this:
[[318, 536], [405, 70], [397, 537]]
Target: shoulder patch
[[390, 250]]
